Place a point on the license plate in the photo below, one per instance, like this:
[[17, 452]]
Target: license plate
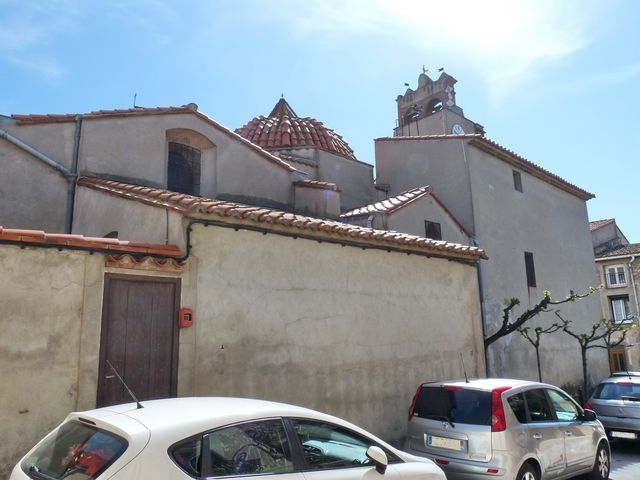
[[443, 442], [629, 435]]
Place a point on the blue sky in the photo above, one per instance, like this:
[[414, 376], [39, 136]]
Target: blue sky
[[556, 81]]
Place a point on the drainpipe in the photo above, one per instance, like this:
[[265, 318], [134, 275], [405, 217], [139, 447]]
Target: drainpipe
[[633, 284], [71, 189], [482, 313]]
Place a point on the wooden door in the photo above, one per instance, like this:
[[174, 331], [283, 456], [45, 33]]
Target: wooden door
[[139, 337]]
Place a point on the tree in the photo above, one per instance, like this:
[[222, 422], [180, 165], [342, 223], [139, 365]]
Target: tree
[[610, 333], [509, 326], [534, 339]]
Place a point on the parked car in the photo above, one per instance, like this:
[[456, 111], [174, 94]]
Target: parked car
[[215, 437], [616, 400], [510, 429]]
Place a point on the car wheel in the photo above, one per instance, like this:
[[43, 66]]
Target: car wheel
[[602, 464], [527, 472]]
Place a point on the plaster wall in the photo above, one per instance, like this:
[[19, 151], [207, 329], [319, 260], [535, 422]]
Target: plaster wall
[[55, 140], [32, 194], [553, 225], [45, 307], [329, 327], [411, 218], [317, 202], [406, 164], [354, 178]]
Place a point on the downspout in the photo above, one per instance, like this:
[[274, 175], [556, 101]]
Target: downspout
[[482, 313], [71, 189], [633, 284]]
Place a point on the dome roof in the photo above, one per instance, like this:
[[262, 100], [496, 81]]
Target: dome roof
[[283, 129]]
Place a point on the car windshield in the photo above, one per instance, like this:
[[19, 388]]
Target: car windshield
[[74, 451], [615, 391], [454, 404]]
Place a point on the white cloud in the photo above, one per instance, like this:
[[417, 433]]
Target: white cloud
[[506, 41]]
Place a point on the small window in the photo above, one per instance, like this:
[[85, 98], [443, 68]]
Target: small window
[[327, 446], [471, 407], [615, 276], [432, 230], [565, 409], [517, 181], [530, 268], [620, 310], [539, 410], [617, 359], [183, 171]]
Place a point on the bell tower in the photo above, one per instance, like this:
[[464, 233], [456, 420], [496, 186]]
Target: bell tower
[[431, 109]]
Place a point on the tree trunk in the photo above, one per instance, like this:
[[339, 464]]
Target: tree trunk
[[538, 362], [583, 351]]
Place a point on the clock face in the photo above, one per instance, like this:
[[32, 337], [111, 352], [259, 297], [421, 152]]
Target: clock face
[[457, 129]]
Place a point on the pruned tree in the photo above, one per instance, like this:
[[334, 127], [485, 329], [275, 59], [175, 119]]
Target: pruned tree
[[510, 325], [534, 335], [604, 334]]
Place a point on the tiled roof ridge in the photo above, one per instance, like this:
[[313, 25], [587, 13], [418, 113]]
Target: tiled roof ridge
[[596, 224], [391, 204], [33, 119], [285, 132], [275, 220], [482, 141], [622, 251], [317, 184], [62, 240]]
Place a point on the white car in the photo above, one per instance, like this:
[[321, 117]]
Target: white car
[[184, 438]]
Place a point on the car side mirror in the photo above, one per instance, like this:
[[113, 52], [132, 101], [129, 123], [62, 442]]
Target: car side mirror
[[589, 415], [377, 455]]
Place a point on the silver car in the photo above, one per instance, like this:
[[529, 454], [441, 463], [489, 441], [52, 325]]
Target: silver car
[[508, 429], [617, 402]]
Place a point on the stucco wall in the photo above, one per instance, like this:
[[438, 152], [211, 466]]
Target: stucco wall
[[43, 303], [553, 225], [344, 330], [32, 194], [407, 164], [354, 178], [317, 202]]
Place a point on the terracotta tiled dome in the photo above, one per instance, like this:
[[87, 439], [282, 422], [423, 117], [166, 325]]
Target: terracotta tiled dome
[[283, 129]]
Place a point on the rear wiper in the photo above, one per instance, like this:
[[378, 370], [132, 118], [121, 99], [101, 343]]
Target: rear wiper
[[631, 398], [442, 418]]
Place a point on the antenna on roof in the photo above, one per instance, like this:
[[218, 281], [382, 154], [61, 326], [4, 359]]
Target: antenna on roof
[[464, 369], [139, 405], [135, 95], [441, 69], [406, 84], [424, 70]]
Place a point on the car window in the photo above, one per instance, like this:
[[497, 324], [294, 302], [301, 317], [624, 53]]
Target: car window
[[75, 449], [538, 407], [516, 402], [454, 404], [565, 409], [615, 391], [187, 455], [327, 446], [248, 449]]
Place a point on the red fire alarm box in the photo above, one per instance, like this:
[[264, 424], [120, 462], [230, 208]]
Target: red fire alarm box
[[185, 317]]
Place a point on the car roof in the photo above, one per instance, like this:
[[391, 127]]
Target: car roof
[[622, 379], [489, 384], [191, 415]]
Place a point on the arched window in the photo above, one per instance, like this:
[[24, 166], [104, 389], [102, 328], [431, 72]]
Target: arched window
[[183, 173], [435, 105]]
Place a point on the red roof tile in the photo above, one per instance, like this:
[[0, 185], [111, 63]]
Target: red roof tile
[[62, 240], [623, 251], [596, 224], [278, 221], [505, 154], [283, 129], [317, 184], [391, 204]]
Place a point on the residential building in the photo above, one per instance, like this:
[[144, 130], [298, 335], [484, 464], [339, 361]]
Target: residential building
[[618, 268]]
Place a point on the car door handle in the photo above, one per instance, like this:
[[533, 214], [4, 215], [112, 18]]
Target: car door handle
[[537, 436]]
